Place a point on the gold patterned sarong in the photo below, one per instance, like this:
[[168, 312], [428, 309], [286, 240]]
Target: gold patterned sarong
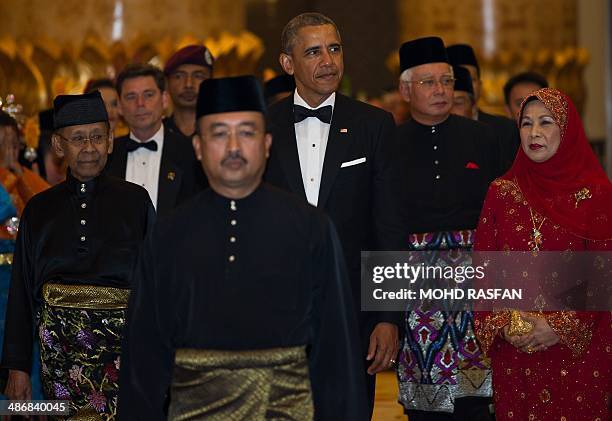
[[80, 330], [241, 385]]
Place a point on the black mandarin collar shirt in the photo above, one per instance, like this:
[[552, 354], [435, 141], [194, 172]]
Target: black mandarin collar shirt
[[73, 233]]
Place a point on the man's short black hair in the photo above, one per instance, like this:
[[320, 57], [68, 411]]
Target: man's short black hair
[[132, 71], [95, 84], [290, 30], [7, 120], [525, 77]]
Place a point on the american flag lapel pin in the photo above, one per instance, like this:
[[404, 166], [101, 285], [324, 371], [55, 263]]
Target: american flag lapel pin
[[343, 130], [171, 175]]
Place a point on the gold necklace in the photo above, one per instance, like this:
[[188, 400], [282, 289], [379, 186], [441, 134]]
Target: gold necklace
[[536, 234]]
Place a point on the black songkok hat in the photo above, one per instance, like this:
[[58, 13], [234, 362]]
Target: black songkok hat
[[74, 110], [422, 51], [462, 55], [279, 84], [463, 80], [230, 94]]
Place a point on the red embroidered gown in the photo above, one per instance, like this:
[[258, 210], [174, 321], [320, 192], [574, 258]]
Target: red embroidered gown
[[570, 380]]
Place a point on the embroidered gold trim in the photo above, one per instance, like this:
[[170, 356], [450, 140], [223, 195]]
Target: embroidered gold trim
[[85, 296]]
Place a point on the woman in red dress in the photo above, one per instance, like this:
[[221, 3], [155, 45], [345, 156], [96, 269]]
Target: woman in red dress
[[556, 197]]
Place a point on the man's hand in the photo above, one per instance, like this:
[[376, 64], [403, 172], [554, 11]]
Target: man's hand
[[18, 386], [384, 345]]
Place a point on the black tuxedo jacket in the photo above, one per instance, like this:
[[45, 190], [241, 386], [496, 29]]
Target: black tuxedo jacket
[[508, 134], [176, 172], [357, 186]]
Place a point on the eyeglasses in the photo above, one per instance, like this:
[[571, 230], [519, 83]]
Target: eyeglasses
[[80, 141], [430, 82]]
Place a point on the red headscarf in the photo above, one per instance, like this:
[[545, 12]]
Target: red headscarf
[[571, 189]]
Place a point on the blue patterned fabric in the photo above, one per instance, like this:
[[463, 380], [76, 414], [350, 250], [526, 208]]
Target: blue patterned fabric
[[7, 210], [440, 359]]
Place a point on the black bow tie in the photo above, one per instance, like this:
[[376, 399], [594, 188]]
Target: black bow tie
[[132, 145], [324, 113]]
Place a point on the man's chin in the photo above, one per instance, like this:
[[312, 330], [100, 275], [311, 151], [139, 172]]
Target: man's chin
[[186, 104], [88, 170]]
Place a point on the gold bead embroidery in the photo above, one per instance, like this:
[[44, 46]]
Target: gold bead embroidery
[[527, 371], [545, 395], [554, 101], [579, 398], [563, 419], [510, 414], [563, 373], [595, 373], [574, 334], [531, 417], [509, 371]]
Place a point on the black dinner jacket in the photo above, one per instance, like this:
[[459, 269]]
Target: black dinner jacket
[[507, 132], [176, 172], [359, 198]]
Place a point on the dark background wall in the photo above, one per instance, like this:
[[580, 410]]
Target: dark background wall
[[369, 31]]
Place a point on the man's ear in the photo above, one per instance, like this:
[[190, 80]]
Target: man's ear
[[404, 90], [286, 63], [165, 99], [57, 145], [119, 107], [197, 146], [111, 143], [268, 143]]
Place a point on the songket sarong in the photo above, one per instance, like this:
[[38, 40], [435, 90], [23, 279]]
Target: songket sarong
[[80, 330], [255, 385], [440, 359]]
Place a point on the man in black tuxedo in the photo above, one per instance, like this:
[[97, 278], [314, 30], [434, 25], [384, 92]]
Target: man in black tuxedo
[[151, 156], [334, 152], [506, 130]]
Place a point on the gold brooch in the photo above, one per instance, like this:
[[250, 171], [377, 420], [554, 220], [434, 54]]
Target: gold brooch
[[582, 194], [171, 175]]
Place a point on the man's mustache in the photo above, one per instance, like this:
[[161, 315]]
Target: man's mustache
[[232, 156]]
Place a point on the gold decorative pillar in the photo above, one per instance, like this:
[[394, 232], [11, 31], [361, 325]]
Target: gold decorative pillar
[[48, 48], [509, 36]]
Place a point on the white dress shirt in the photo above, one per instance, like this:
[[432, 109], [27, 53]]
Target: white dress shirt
[[143, 165], [311, 135]]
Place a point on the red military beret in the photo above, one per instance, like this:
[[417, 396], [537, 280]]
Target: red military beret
[[192, 54]]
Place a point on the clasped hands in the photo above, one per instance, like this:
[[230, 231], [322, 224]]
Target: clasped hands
[[541, 337]]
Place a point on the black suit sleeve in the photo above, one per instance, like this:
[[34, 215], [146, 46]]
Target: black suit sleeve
[[386, 214]]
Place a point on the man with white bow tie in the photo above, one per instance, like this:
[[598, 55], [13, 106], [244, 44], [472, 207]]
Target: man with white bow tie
[[151, 156], [335, 153]]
